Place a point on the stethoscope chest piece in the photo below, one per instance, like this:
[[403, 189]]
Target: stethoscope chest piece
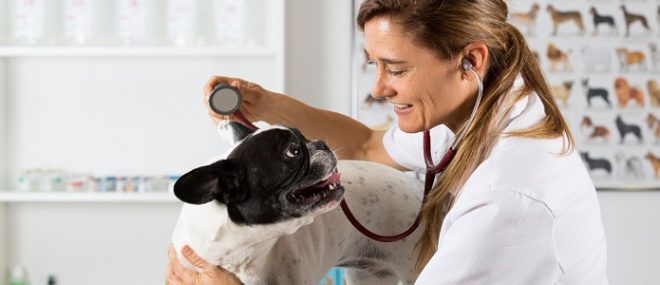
[[225, 99]]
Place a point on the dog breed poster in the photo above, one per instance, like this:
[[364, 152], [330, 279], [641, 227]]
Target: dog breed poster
[[602, 63]]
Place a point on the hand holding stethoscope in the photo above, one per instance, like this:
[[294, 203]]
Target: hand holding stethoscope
[[256, 103], [226, 100]]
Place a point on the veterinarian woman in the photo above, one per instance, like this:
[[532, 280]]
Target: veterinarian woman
[[516, 205]]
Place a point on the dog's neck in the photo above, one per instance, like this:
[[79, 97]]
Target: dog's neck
[[241, 249]]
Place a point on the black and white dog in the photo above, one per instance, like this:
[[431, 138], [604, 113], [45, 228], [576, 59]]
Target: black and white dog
[[268, 212]]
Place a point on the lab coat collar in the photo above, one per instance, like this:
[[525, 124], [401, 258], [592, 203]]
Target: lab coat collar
[[527, 112]]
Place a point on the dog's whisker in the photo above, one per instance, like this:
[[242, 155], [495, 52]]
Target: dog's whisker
[[335, 152]]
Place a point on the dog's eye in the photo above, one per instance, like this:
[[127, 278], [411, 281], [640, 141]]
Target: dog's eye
[[293, 150]]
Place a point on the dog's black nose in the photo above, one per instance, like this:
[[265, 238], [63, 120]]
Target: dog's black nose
[[318, 145]]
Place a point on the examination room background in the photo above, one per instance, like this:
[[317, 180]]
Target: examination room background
[[126, 110]]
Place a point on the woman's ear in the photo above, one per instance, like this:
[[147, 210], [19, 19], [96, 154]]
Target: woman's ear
[[477, 53]]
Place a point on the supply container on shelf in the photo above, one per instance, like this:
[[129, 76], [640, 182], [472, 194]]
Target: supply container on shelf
[[182, 24], [229, 17], [79, 21], [140, 22], [35, 22], [4, 22]]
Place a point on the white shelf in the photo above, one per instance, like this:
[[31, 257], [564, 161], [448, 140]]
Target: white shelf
[[29, 197], [114, 51]]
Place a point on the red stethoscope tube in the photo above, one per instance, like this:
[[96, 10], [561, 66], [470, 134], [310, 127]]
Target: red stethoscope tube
[[431, 171]]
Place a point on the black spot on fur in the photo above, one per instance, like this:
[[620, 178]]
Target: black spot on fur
[[383, 274], [357, 264]]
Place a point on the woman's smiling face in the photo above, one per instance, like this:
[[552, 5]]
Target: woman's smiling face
[[424, 89]]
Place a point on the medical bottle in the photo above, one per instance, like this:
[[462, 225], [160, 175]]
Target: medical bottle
[[182, 22], [78, 21], [28, 21], [18, 276], [52, 280], [230, 19], [132, 21]]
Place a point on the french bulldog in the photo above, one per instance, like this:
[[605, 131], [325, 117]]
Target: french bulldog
[[268, 212]]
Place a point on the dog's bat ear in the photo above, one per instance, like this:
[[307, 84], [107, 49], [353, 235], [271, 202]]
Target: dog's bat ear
[[220, 180], [233, 132], [240, 131]]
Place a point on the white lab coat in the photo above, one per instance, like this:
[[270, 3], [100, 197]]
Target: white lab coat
[[527, 215]]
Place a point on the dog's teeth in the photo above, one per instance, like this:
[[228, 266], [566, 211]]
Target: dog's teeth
[[331, 187]]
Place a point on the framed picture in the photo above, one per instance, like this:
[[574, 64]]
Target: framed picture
[[601, 60]]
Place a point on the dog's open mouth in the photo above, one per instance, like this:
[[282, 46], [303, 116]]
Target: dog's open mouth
[[324, 189]]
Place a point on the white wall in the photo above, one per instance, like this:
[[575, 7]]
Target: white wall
[[318, 50], [3, 175], [632, 228]]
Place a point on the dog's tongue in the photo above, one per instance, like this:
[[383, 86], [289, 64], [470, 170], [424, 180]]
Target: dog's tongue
[[332, 179]]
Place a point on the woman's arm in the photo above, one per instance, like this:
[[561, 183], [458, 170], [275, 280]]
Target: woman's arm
[[349, 138]]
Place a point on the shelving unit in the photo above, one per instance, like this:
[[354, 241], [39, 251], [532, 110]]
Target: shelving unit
[[34, 90], [145, 51], [69, 197]]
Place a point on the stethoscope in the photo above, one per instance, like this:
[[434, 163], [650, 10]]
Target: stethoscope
[[226, 100]]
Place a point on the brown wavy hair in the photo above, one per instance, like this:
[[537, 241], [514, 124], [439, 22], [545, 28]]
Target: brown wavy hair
[[447, 27]]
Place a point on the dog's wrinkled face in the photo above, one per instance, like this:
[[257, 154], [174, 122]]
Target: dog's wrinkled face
[[272, 175]]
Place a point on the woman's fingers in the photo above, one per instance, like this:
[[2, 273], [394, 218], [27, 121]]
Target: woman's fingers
[[171, 254], [171, 278], [235, 82], [183, 275], [187, 276], [193, 258], [214, 80]]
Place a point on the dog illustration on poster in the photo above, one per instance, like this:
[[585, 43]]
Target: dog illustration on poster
[[527, 19], [629, 59], [594, 164], [557, 56], [654, 57], [654, 92], [655, 163], [561, 92], [606, 20], [595, 92], [631, 166], [594, 132], [560, 17], [632, 18], [654, 126], [626, 93], [596, 58], [627, 128]]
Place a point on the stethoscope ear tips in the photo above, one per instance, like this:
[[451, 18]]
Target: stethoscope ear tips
[[466, 65]]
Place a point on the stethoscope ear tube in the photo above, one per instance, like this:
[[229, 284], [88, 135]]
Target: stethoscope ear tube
[[474, 109]]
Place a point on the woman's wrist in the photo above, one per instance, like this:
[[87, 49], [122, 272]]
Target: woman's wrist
[[276, 102]]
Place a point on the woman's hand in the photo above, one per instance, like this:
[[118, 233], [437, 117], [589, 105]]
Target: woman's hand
[[210, 275], [256, 104]]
